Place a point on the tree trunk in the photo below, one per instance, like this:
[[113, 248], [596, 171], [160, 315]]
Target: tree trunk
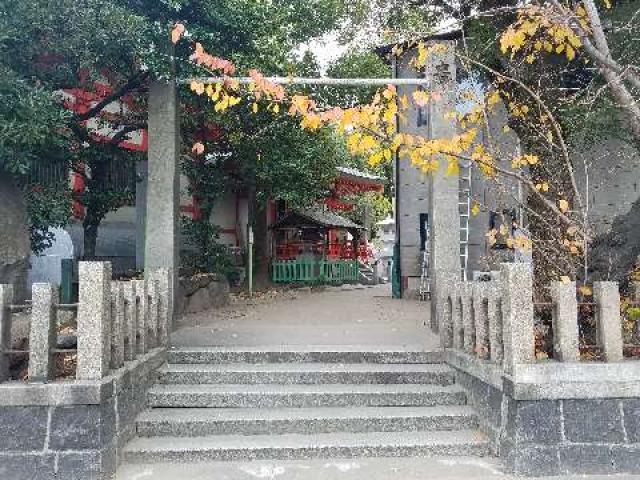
[[15, 246], [90, 239], [261, 245]]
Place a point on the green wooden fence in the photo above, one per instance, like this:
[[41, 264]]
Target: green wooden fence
[[315, 271]]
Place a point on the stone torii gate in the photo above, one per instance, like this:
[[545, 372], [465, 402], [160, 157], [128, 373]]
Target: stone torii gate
[[162, 222]]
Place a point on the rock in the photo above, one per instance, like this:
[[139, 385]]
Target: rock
[[67, 342], [191, 285], [198, 302], [219, 293]]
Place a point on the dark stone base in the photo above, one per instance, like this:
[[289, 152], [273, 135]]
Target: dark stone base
[[558, 437], [59, 439]]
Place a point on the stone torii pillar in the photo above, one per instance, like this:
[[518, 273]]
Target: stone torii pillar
[[444, 210], [162, 234]]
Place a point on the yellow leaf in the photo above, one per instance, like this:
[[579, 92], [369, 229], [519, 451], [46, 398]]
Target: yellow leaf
[[531, 58], [453, 168], [563, 205], [585, 290], [571, 53], [475, 209], [276, 109], [564, 279], [421, 98], [607, 3], [254, 108]]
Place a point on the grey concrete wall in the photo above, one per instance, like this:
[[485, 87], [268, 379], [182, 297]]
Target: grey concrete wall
[[413, 187], [72, 430], [608, 173]]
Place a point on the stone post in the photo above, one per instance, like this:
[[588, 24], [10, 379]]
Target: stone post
[[444, 214], [162, 234], [142, 315], [6, 298], [43, 331], [608, 323], [565, 322], [517, 307], [94, 320], [130, 320], [117, 325], [153, 308], [162, 279], [494, 312], [468, 336], [446, 327], [458, 327], [481, 319]]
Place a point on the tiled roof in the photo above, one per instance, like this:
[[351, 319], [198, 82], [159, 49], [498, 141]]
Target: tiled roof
[[316, 217]]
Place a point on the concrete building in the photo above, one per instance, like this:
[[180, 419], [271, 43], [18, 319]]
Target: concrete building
[[607, 173]]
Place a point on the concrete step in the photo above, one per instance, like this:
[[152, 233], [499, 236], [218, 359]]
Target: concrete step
[[312, 354], [307, 373], [327, 445], [194, 422], [330, 395]]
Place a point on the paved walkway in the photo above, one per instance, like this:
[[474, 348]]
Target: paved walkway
[[456, 468], [334, 316]]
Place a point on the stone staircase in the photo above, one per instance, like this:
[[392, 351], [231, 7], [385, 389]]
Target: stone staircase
[[243, 404]]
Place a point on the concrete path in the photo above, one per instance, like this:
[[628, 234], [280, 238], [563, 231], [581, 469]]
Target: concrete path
[[459, 468], [335, 316]]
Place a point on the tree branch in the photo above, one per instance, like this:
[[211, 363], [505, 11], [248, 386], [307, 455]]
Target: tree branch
[[133, 83]]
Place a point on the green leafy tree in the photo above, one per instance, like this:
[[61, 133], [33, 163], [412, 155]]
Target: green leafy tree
[[49, 46]]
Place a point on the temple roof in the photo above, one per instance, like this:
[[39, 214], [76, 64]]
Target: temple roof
[[315, 217], [360, 175]]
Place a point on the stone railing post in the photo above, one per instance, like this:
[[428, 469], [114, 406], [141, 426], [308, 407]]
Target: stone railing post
[[481, 319], [445, 305], [117, 325], [131, 320], [608, 322], [517, 306], [468, 335], [43, 333], [456, 315], [565, 322], [6, 299], [163, 281], [142, 308], [94, 320], [494, 312], [153, 306]]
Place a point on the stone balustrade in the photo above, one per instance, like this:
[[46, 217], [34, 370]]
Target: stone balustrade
[[493, 321], [117, 321], [562, 415], [122, 336]]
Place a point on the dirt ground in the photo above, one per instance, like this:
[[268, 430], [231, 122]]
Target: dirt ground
[[347, 315]]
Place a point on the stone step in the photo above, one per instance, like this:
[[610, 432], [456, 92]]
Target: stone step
[[330, 395], [314, 354], [194, 422], [307, 373], [297, 446]]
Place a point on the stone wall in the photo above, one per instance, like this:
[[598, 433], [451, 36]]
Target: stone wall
[[75, 430], [75, 427], [553, 417]]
